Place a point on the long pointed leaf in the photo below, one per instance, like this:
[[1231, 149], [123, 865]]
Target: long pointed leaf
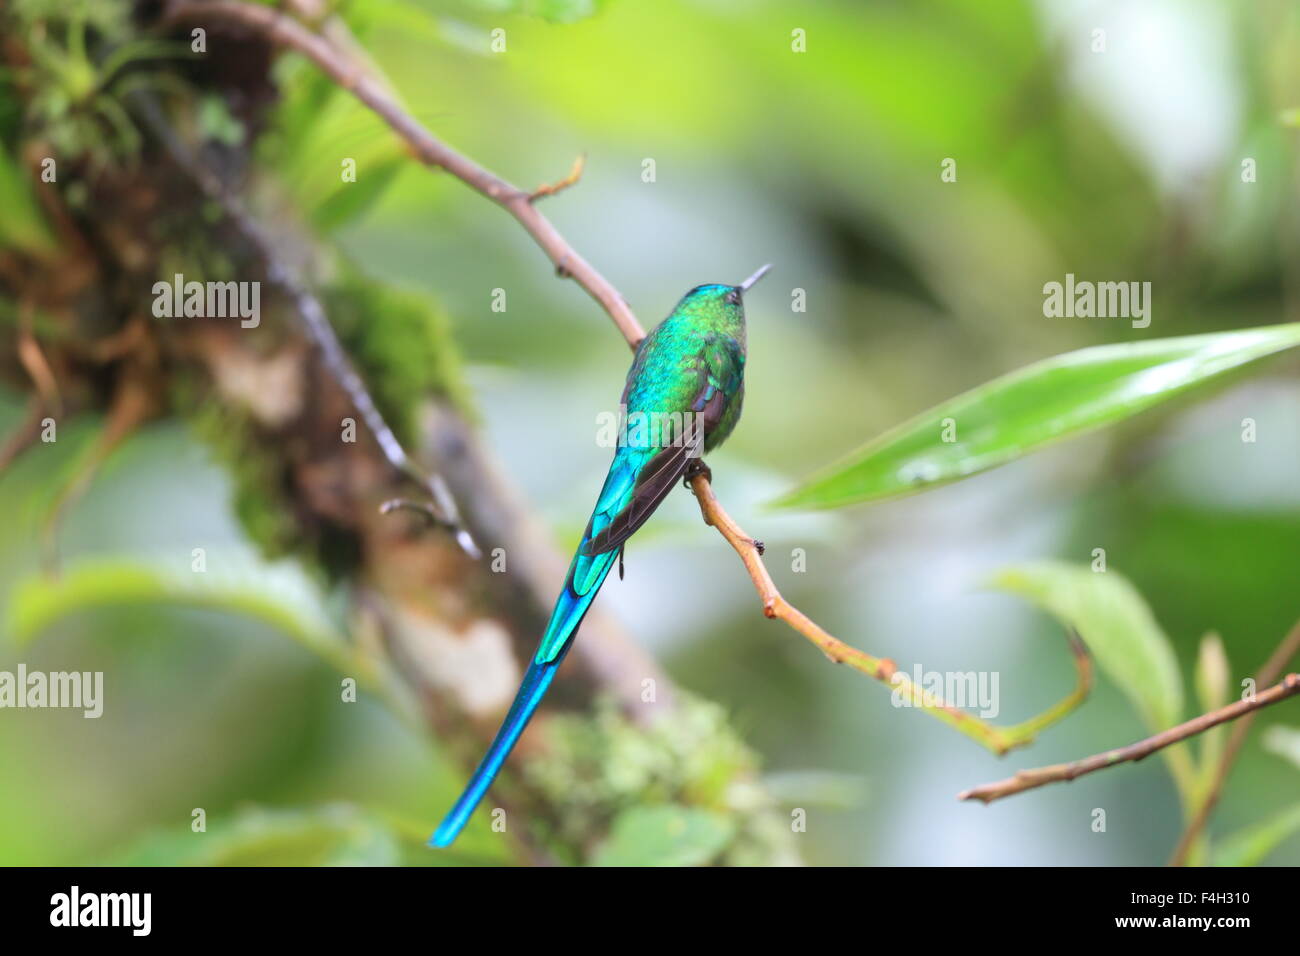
[[1020, 412]]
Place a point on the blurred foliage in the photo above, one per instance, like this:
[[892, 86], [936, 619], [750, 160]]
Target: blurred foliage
[[81, 55], [328, 836], [665, 836], [1118, 627], [279, 600], [22, 226], [1254, 844], [406, 357], [1121, 166], [640, 784]]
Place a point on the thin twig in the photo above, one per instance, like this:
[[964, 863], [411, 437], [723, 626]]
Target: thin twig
[[284, 30], [36, 364], [25, 435], [1275, 665], [314, 319], [551, 189], [288, 32], [1029, 779], [997, 739]]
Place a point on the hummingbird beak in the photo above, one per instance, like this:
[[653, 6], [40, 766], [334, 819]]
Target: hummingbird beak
[[762, 271]]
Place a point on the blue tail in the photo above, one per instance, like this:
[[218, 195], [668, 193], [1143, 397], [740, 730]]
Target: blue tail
[[569, 611], [536, 680]]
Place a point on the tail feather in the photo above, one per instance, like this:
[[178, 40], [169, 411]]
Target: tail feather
[[536, 681], [570, 609]]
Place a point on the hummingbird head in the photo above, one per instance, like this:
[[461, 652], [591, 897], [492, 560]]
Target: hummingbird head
[[719, 306], [728, 294]]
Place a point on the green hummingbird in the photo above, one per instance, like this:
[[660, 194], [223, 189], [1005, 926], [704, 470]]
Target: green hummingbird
[[690, 370]]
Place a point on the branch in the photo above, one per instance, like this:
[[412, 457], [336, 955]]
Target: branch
[[24, 435], [284, 30], [1277, 663], [309, 309], [552, 189], [35, 363], [997, 739], [1030, 779]]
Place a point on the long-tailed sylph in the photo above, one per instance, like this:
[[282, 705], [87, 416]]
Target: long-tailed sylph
[[689, 369]]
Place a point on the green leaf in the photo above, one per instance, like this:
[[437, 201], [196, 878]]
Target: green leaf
[[1284, 742], [21, 223], [1212, 673], [316, 119], [1211, 678], [1116, 624], [1027, 409], [1123, 636], [332, 835], [274, 595], [668, 835], [1251, 845], [349, 201]]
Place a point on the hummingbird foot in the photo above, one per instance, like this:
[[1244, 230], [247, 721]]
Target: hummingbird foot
[[621, 549], [696, 466]]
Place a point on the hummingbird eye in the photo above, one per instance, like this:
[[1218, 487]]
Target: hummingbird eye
[[732, 297]]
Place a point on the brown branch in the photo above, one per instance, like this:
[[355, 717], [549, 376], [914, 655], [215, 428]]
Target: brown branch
[[36, 364], [997, 739], [25, 435], [1030, 779], [551, 189], [1267, 674], [284, 30], [311, 312]]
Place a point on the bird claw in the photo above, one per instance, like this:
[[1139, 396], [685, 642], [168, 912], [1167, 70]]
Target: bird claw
[[697, 467]]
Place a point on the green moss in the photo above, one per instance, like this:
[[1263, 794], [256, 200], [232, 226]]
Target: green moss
[[258, 495], [81, 52], [401, 344], [597, 766]]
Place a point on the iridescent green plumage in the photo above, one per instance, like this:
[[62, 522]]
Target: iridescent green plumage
[[688, 377]]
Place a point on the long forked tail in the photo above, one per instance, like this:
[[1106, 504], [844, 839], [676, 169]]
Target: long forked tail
[[569, 611]]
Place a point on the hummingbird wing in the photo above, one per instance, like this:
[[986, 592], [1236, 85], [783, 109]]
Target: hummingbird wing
[[719, 368]]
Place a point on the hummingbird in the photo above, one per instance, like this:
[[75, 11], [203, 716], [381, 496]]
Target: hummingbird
[[689, 369]]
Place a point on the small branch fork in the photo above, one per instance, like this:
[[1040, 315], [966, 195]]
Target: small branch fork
[[358, 80], [1030, 779]]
